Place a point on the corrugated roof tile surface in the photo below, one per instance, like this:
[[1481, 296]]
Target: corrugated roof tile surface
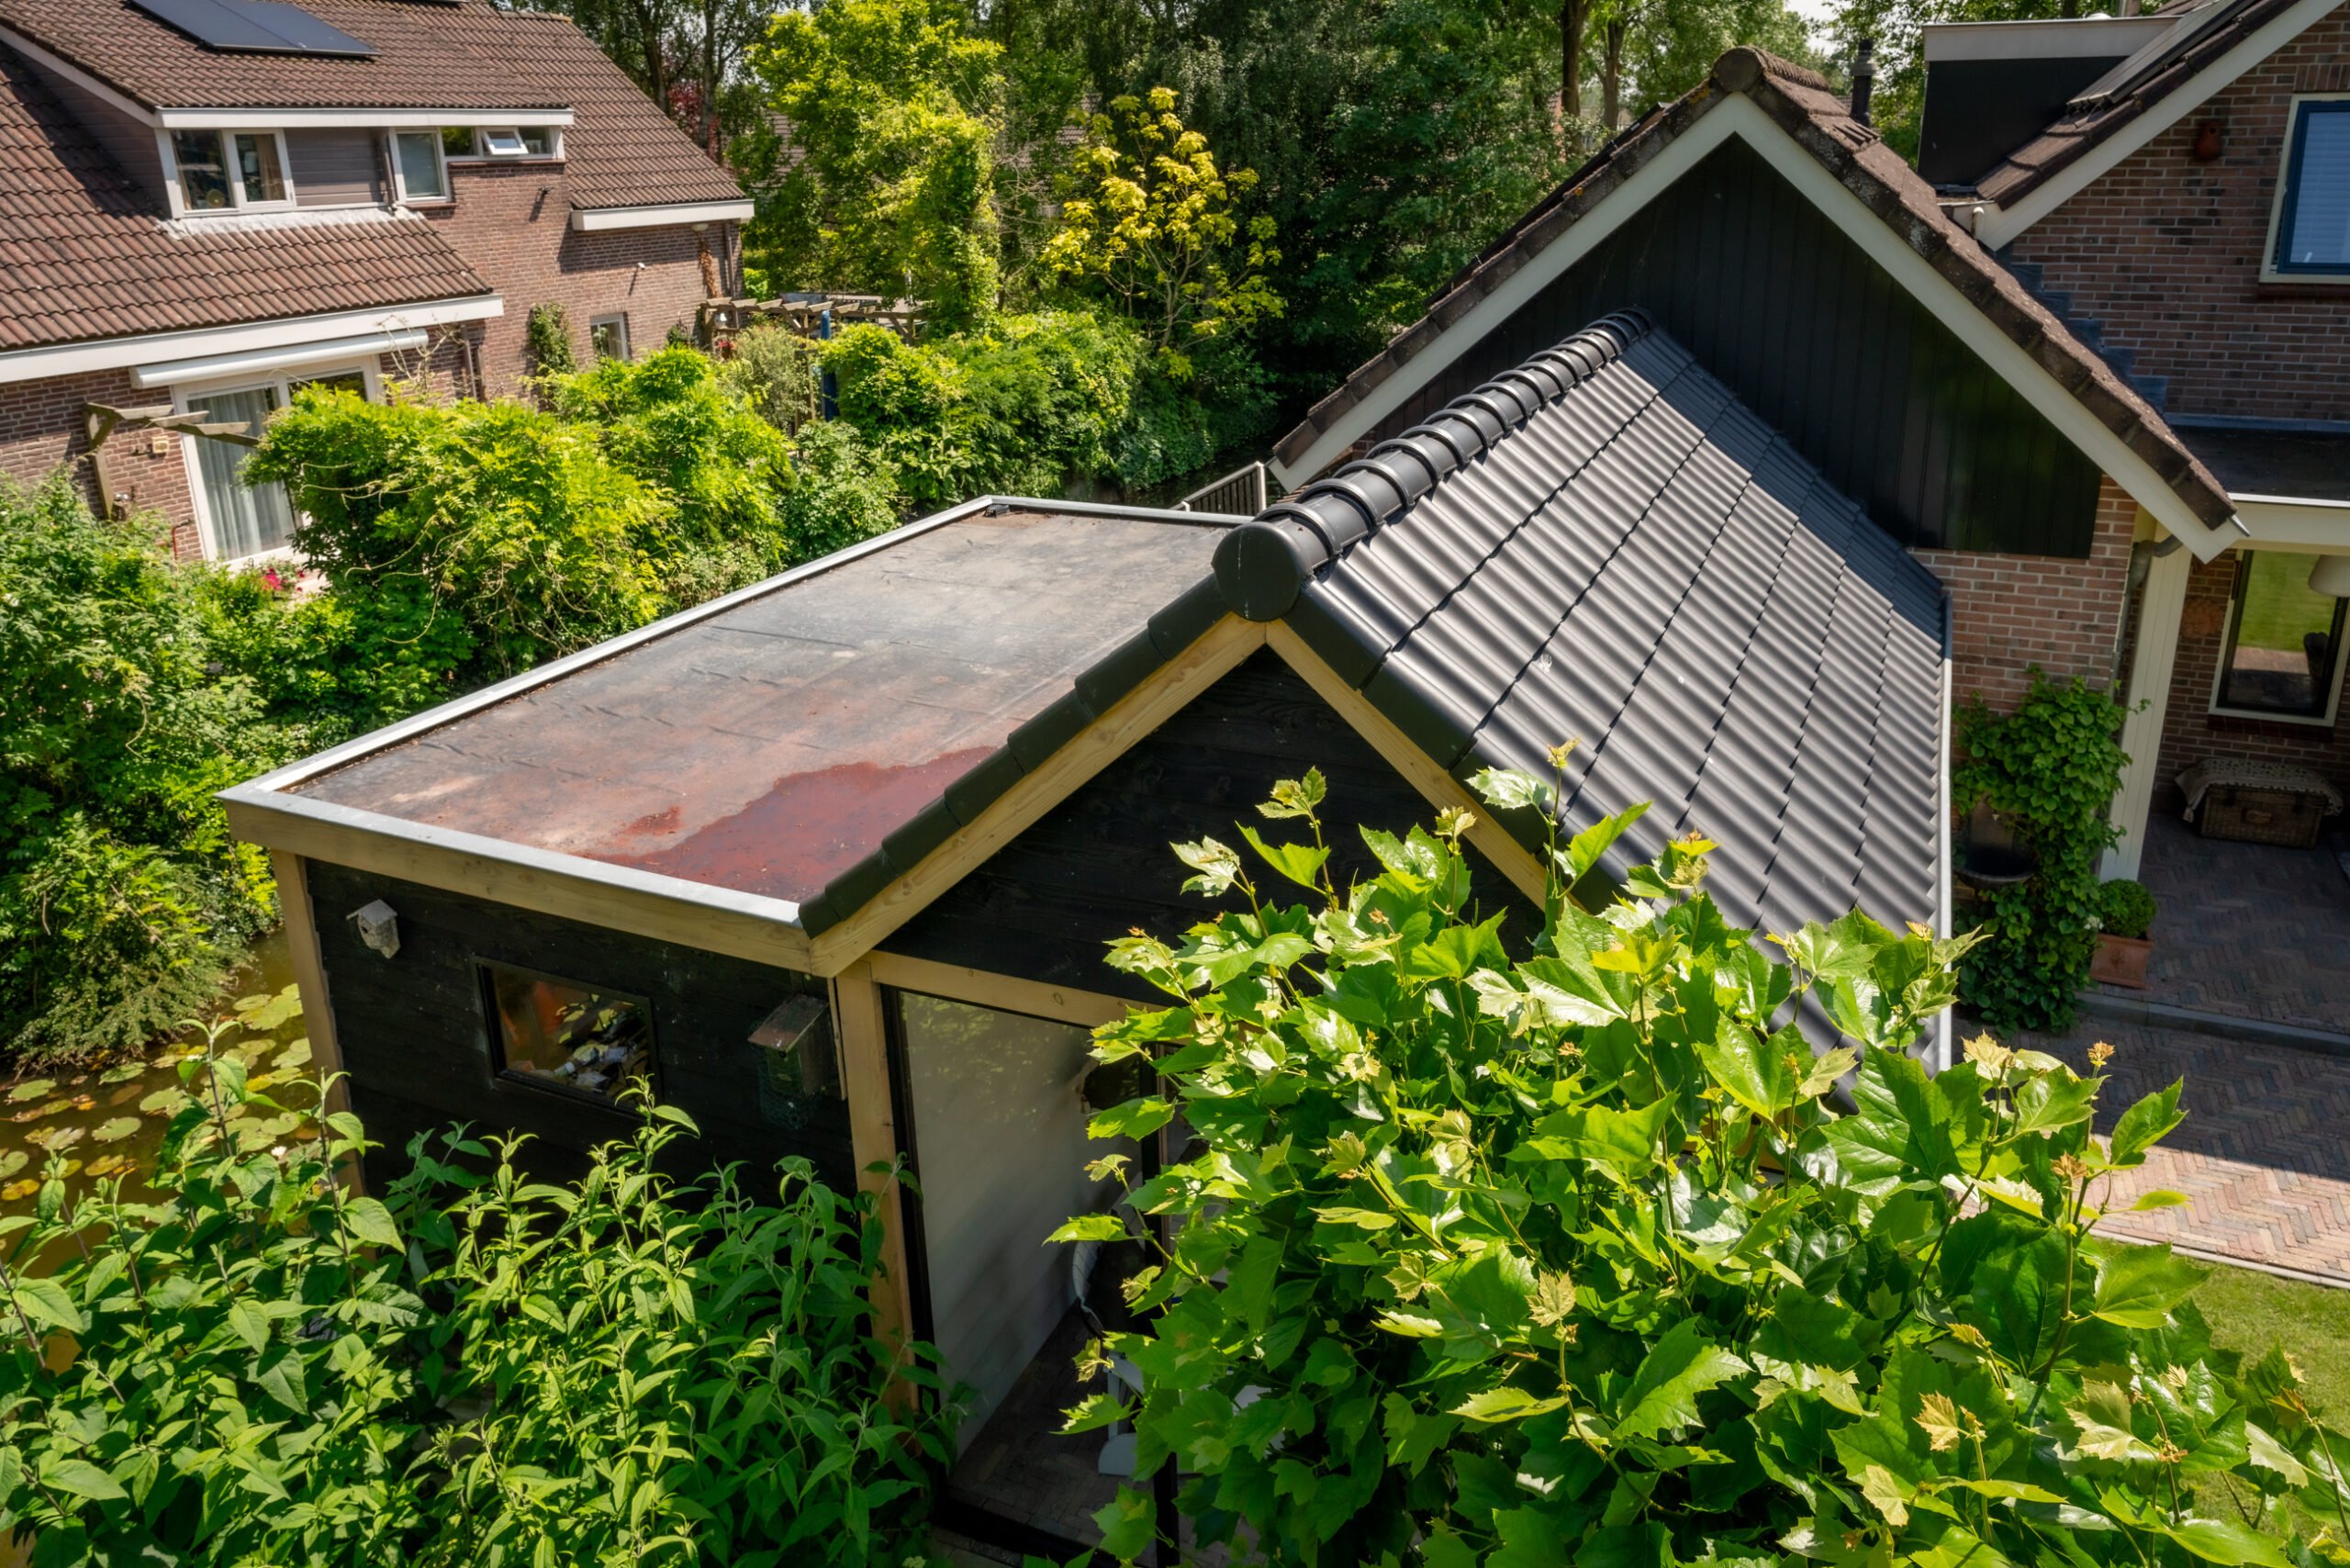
[[1631, 559]]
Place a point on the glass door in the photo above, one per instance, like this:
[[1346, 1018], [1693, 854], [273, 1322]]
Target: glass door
[[246, 519]]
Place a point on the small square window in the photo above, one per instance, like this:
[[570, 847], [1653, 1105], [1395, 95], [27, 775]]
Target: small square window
[[609, 336], [419, 155], [538, 141], [2284, 648], [567, 1035], [502, 144], [2314, 217], [457, 141]]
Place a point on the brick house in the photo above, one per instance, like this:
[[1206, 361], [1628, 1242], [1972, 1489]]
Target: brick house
[[1951, 395], [2178, 187], [208, 204]]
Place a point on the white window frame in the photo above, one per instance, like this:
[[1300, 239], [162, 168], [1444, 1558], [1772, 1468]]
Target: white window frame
[[185, 393], [553, 154], [2269, 272], [615, 318], [237, 202], [2216, 709], [399, 177]]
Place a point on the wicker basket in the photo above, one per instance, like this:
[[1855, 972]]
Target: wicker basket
[[2288, 817]]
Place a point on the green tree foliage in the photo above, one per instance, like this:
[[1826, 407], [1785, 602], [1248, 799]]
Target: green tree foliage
[[121, 893], [2050, 769], [477, 1368], [1570, 1258], [546, 338], [881, 179], [1150, 221]]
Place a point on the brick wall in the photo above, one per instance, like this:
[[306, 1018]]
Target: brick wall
[[41, 430], [2192, 732], [512, 223], [2166, 250], [2011, 612]]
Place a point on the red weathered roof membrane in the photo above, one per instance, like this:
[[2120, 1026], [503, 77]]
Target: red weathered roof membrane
[[81, 257], [770, 747]]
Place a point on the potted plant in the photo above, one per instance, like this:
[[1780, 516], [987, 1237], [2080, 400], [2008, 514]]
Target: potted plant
[[2125, 912]]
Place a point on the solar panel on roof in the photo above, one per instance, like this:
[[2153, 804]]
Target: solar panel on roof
[[255, 26]]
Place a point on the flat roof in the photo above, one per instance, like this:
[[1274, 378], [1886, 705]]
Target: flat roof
[[771, 746]]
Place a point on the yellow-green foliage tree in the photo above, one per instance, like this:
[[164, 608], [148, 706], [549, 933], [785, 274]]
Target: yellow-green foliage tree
[[881, 178], [1152, 221]]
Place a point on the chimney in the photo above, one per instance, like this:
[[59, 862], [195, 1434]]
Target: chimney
[[1863, 78]]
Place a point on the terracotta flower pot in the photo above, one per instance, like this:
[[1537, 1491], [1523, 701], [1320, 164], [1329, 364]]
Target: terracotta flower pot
[[2121, 960]]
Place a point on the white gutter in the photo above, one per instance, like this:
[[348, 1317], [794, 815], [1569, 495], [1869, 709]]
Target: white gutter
[[151, 348], [590, 220], [348, 119], [168, 372]]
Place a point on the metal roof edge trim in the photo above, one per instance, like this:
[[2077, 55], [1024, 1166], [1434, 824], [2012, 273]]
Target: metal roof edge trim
[[247, 800]]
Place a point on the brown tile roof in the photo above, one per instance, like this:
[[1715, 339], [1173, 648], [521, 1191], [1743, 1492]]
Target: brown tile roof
[[1798, 101], [81, 257], [427, 54], [621, 151], [2135, 87]]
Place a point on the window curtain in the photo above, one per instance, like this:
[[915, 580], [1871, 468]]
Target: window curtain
[[246, 520]]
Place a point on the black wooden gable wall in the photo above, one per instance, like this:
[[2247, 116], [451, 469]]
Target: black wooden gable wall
[[1812, 335], [1045, 906]]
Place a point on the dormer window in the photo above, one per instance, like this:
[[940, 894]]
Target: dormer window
[[2313, 208], [226, 171], [501, 141], [502, 144], [416, 158]]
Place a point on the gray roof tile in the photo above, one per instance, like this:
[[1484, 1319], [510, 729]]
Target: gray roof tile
[[1633, 558]]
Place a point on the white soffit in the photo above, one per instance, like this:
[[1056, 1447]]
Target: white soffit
[[340, 120], [590, 219], [2295, 522], [1997, 225], [259, 360], [154, 348]]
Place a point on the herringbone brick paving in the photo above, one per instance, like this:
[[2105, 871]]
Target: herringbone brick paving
[[2262, 1156], [2247, 929]]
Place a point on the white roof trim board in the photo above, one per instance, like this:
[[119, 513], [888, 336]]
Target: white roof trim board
[[148, 348]]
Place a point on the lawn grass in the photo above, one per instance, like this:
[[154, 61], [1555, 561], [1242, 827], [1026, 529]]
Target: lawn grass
[[2253, 1313]]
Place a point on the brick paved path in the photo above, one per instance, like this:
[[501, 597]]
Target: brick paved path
[[2247, 929], [2264, 1155]]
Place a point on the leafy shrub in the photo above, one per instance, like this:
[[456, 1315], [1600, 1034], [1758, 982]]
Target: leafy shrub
[[776, 370], [121, 892], [546, 337], [670, 422], [2050, 769], [264, 1368], [484, 537], [846, 491], [2124, 908], [1570, 1259]]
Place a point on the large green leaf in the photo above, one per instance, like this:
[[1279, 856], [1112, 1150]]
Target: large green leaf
[[1481, 1304], [1621, 1143], [2137, 1286], [2145, 1124], [1663, 1396], [1761, 1075]]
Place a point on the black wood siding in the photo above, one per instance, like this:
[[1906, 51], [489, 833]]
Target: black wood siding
[[1047, 904], [415, 1042], [1813, 336]]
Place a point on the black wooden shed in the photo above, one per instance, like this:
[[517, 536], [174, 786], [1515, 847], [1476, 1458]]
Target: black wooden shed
[[832, 861]]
